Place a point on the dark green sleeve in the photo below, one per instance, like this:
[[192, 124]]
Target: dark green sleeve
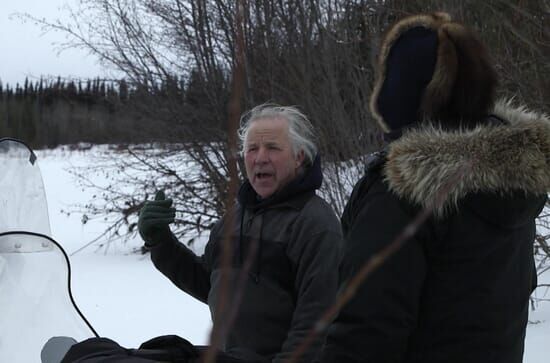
[[186, 270]]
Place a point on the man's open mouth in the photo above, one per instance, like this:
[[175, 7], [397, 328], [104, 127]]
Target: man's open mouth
[[261, 176]]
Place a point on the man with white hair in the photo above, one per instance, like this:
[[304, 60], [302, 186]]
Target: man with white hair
[[287, 236]]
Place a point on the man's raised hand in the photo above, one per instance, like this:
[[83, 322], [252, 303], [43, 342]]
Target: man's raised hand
[[154, 219]]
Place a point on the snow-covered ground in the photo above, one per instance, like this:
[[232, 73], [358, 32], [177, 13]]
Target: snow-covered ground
[[120, 292], [126, 299]]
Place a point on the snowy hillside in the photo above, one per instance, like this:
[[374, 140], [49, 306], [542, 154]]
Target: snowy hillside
[[126, 299]]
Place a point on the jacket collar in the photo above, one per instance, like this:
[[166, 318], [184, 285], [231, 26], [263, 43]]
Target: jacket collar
[[494, 157]]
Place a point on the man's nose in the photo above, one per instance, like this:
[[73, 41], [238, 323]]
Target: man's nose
[[262, 156]]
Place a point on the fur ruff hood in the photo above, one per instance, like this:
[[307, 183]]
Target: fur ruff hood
[[428, 163], [464, 79]]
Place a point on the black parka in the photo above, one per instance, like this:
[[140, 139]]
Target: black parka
[[458, 290], [295, 238]]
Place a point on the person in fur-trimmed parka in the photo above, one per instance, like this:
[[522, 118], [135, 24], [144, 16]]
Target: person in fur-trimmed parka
[[458, 289]]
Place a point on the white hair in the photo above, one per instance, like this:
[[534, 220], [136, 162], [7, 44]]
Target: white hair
[[300, 129]]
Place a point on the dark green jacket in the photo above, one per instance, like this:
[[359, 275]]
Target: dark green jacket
[[295, 240], [458, 290]]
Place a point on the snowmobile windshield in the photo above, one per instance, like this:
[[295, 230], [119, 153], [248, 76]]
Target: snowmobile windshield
[[23, 204], [35, 297]]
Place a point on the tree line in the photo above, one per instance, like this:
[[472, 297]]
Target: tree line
[[318, 55], [52, 112]]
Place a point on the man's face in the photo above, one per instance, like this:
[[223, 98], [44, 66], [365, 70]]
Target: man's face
[[269, 160]]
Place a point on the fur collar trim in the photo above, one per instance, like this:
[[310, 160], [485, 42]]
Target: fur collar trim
[[428, 163]]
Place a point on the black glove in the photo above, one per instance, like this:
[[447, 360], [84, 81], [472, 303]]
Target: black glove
[[169, 348], [154, 218]]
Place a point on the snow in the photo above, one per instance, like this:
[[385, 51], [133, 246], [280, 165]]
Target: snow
[[126, 299], [119, 291]]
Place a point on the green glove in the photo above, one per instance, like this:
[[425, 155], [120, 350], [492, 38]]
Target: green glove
[[154, 218]]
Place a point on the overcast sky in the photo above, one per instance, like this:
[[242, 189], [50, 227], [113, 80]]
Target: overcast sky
[[25, 52]]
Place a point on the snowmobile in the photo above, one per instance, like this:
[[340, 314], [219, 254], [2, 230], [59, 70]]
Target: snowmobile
[[36, 302], [39, 319]]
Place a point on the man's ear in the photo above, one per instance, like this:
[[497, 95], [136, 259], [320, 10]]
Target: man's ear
[[299, 159]]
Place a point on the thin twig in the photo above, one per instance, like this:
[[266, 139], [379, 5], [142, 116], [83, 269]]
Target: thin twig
[[221, 322]]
